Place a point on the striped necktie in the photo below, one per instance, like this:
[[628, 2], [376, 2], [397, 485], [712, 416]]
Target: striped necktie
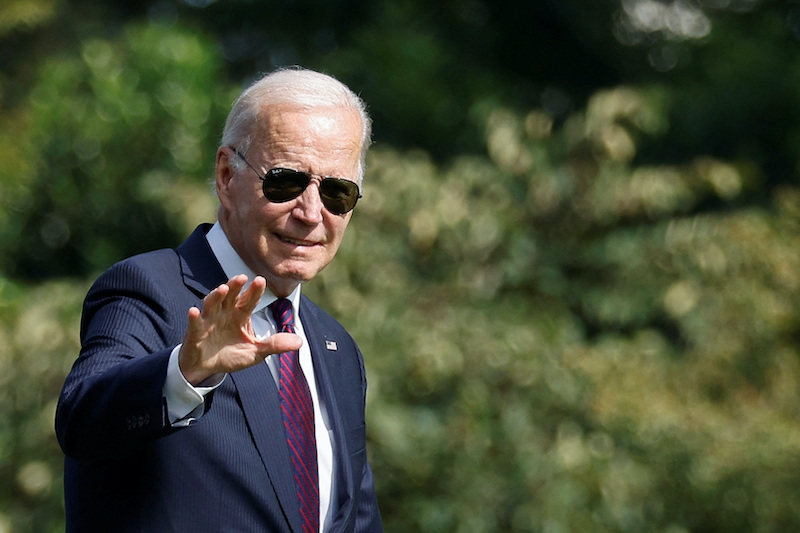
[[298, 419]]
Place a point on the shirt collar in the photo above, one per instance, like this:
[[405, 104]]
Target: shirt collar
[[233, 265]]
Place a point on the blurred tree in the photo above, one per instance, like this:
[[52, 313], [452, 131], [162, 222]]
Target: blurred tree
[[39, 336], [114, 132], [557, 342], [16, 14], [579, 302]]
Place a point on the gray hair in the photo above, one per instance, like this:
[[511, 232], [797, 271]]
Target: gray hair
[[296, 86]]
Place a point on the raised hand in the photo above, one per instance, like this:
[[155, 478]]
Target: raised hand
[[220, 338]]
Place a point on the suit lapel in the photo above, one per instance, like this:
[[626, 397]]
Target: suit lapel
[[200, 269]]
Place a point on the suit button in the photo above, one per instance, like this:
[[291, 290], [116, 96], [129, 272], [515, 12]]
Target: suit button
[[137, 421]]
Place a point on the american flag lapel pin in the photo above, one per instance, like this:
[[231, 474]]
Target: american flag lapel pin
[[331, 345]]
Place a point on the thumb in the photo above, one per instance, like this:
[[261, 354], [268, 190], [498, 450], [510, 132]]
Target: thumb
[[279, 343]]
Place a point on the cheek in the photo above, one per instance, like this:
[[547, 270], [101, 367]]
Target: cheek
[[337, 234], [252, 211]]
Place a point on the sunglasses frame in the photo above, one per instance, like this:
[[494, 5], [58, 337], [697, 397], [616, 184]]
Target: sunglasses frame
[[272, 176]]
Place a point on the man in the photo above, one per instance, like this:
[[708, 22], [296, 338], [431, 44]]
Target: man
[[204, 405]]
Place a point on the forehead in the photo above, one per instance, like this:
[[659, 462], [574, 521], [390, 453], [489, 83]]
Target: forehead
[[292, 131]]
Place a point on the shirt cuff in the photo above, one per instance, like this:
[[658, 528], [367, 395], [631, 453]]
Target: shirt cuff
[[185, 402]]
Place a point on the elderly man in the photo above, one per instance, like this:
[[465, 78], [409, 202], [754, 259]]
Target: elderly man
[[204, 405]]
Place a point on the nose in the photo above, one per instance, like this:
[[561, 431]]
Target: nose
[[308, 206]]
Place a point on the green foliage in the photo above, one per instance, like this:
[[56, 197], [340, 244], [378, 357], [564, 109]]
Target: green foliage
[[30, 13], [39, 336], [110, 134], [557, 342], [586, 321]]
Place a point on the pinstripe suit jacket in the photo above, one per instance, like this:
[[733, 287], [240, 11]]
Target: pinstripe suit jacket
[[128, 470]]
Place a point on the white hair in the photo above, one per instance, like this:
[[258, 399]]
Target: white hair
[[295, 86]]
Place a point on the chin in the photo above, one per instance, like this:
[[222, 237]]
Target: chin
[[293, 274]]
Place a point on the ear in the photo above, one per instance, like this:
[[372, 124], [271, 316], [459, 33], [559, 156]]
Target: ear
[[224, 173]]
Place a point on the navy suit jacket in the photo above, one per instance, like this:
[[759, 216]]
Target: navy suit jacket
[[128, 470]]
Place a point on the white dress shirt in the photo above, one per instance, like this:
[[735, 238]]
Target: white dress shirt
[[185, 403]]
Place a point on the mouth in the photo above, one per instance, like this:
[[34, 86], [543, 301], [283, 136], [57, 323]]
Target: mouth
[[295, 242]]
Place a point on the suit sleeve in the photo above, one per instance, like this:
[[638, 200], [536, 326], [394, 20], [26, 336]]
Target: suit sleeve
[[111, 402]]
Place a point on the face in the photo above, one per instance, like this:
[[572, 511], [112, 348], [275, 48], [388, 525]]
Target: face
[[290, 242]]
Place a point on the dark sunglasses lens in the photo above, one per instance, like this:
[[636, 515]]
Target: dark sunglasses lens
[[338, 195], [282, 185]]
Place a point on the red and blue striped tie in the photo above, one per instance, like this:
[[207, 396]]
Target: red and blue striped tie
[[298, 419]]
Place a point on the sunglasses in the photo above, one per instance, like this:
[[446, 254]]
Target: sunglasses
[[279, 185]]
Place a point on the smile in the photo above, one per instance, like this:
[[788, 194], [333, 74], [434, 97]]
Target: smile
[[297, 242]]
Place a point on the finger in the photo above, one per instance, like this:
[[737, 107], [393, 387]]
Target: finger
[[279, 343], [194, 329], [249, 299], [194, 320], [235, 284], [213, 300]]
